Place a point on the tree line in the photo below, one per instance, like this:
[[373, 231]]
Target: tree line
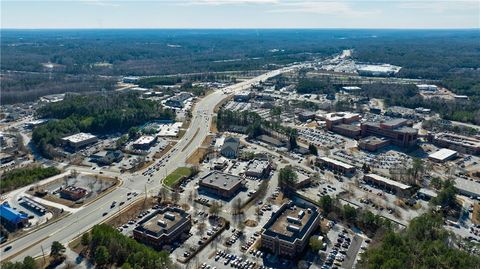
[[20, 177], [104, 113]]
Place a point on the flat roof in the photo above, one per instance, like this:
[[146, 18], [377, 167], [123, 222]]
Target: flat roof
[[336, 162], [144, 140], [442, 154], [351, 88], [465, 185], [459, 139], [163, 221], [219, 180], [79, 137], [389, 181], [350, 127], [373, 140], [291, 221], [257, 166], [340, 115]]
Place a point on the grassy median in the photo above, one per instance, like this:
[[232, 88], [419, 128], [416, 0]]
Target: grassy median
[[176, 175]]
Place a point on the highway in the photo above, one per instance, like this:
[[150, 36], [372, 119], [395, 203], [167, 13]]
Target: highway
[[66, 229]]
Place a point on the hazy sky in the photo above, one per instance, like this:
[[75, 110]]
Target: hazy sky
[[240, 14]]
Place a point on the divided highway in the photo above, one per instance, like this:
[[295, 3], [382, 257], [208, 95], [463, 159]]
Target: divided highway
[[69, 227]]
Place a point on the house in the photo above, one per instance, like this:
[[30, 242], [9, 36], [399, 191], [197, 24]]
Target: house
[[230, 147]]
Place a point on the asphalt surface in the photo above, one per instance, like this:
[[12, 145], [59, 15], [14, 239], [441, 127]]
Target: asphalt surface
[[68, 228]]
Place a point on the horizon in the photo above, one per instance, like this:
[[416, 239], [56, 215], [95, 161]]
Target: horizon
[[240, 14]]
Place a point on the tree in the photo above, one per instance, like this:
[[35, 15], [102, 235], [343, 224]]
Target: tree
[[215, 208], [313, 150], [287, 178], [349, 213], [326, 203], [126, 266], [315, 244], [85, 239], [57, 250], [102, 256], [133, 133], [447, 197]]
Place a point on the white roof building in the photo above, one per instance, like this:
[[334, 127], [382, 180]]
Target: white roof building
[[443, 155]]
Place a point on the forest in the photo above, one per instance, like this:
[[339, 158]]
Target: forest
[[424, 244], [21, 177], [109, 247], [104, 113], [108, 54]]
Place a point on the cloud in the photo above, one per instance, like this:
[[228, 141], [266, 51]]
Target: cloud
[[225, 2], [440, 6], [321, 7], [102, 3]]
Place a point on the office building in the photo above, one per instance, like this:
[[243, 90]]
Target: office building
[[373, 143], [397, 188], [221, 184], [144, 142], [163, 227], [288, 230], [258, 169], [460, 143], [395, 130], [336, 165]]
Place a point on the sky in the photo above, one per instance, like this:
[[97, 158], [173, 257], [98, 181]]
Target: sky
[[255, 14]]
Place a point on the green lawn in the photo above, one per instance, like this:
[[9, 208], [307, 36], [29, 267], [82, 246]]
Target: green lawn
[[176, 175]]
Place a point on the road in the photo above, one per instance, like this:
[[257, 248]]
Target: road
[[73, 225]]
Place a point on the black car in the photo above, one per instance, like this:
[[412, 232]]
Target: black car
[[7, 248]]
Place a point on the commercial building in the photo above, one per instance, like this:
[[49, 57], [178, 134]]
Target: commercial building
[[258, 169], [243, 96], [178, 100], [288, 231], [395, 130], [220, 163], [230, 147], [130, 79], [335, 118], [464, 144], [271, 141], [380, 70], [12, 219], [427, 87], [336, 165], [221, 184], [107, 157], [306, 115], [397, 188], [443, 155], [351, 88], [73, 193], [144, 142], [163, 227], [79, 140], [373, 143]]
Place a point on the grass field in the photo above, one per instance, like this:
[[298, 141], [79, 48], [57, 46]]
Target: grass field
[[176, 175]]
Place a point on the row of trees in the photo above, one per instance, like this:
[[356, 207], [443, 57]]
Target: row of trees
[[104, 113], [424, 244], [108, 247], [20, 177]]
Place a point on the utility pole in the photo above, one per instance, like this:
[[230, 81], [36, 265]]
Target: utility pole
[[43, 254]]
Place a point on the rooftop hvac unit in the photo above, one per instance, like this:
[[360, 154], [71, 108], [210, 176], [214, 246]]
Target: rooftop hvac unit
[[161, 223], [293, 228], [301, 214], [169, 216], [293, 220]]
